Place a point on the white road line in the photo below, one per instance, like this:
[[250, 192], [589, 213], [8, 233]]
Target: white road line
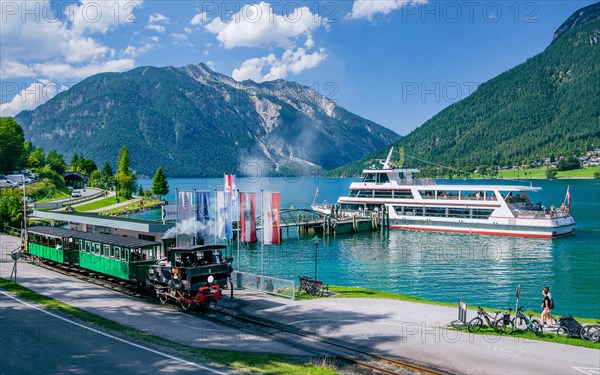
[[214, 371]]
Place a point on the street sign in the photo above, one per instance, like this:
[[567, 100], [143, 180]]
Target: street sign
[[519, 291]]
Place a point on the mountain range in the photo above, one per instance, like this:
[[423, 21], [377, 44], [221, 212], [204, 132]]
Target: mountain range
[[547, 106], [197, 122]]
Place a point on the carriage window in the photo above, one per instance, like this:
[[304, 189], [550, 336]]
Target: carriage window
[[126, 255], [97, 248], [117, 251], [106, 251], [88, 246]]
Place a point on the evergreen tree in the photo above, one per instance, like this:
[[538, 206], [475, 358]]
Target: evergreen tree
[[125, 178], [159, 183], [56, 161], [75, 160], [140, 190]]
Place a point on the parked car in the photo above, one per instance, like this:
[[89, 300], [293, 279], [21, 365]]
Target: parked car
[[7, 184]]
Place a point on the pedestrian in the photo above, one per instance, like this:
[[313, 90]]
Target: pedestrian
[[547, 305]]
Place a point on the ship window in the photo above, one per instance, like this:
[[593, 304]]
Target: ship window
[[490, 196], [370, 177], [427, 194], [472, 195], [403, 194], [435, 212], [413, 211], [353, 193], [384, 193], [365, 193], [399, 210], [482, 213], [382, 178], [459, 212]]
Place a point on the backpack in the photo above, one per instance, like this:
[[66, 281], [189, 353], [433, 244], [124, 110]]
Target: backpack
[[551, 304]]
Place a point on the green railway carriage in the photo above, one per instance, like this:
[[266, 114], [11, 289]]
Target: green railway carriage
[[121, 257]]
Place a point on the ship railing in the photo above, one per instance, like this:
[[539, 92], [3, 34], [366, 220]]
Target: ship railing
[[416, 181], [540, 214]]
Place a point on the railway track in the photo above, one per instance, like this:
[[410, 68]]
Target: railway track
[[341, 352]]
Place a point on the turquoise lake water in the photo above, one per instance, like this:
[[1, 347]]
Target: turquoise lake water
[[481, 270]]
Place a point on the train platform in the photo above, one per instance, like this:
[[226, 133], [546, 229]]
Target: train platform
[[397, 329]]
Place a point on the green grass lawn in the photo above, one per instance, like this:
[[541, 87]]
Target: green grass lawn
[[97, 204], [132, 206], [243, 362]]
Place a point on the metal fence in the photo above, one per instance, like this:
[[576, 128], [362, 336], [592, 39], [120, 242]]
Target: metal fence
[[265, 284]]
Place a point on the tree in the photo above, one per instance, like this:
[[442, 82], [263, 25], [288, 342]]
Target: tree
[[87, 166], [125, 178], [159, 183], [551, 173], [37, 158], [568, 164], [56, 161], [75, 160], [11, 207], [12, 142], [140, 192]]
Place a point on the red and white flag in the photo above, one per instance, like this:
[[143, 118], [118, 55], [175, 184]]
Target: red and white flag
[[248, 217], [568, 196], [231, 188], [271, 225]]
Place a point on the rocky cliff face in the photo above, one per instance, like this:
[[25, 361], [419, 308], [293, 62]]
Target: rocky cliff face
[[197, 122]]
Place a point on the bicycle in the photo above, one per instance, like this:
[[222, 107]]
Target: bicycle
[[523, 322], [504, 323], [476, 323]]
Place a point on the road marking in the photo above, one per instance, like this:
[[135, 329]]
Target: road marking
[[114, 337]]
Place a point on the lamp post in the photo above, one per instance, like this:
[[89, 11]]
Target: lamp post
[[316, 240]]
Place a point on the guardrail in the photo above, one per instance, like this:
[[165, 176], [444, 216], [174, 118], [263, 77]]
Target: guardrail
[[264, 284], [65, 203]]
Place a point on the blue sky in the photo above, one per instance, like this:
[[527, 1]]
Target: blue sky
[[396, 62]]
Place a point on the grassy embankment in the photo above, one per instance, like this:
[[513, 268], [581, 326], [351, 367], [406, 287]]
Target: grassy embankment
[[540, 173], [243, 362], [45, 190]]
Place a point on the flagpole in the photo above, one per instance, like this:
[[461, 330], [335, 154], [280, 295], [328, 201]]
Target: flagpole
[[316, 195], [216, 216], [239, 231], [262, 245], [195, 211], [177, 222]]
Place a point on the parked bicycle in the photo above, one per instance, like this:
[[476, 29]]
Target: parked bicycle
[[522, 322], [476, 323]]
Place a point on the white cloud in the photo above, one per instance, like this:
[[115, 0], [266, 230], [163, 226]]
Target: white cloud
[[291, 62], [198, 19], [369, 8], [157, 17], [154, 21], [181, 37], [14, 69], [159, 28], [257, 25], [64, 47], [37, 93]]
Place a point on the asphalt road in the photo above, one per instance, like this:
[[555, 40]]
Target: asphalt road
[[35, 341]]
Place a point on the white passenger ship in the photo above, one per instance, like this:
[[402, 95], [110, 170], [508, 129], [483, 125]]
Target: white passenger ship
[[422, 204]]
